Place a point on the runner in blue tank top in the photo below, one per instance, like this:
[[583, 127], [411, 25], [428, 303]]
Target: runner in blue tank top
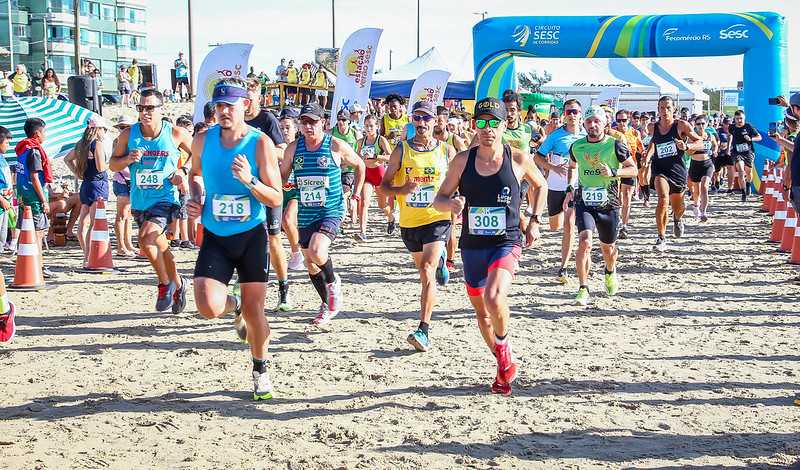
[[236, 168], [488, 180], [151, 150], [316, 159]]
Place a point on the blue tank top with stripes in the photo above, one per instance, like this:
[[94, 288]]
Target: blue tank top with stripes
[[319, 183], [150, 176], [230, 208]]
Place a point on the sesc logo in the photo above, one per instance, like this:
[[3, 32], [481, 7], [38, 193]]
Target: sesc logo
[[737, 31]]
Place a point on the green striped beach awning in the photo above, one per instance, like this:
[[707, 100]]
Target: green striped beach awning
[[65, 122]]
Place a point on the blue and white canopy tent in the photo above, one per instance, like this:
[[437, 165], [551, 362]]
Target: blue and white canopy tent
[[65, 122], [461, 85]]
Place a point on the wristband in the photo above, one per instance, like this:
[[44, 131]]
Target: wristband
[[355, 197], [570, 189], [185, 170]]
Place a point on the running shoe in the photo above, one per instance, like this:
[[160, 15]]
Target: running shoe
[[646, 204], [563, 276], [419, 339], [47, 274], [238, 320], [188, 245], [503, 389], [611, 282], [797, 400], [263, 387], [442, 273], [695, 210], [703, 217], [661, 244], [360, 237], [166, 296], [678, 228], [325, 315], [296, 260], [179, 298], [391, 226], [237, 289], [335, 296], [284, 300], [582, 299], [623, 232], [744, 196], [795, 280], [7, 325], [175, 244], [506, 367]]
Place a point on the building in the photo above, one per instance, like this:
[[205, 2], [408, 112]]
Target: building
[[112, 33]]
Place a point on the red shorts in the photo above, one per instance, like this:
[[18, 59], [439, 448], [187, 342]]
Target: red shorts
[[374, 176]]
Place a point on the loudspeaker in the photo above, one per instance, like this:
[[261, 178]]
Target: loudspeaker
[[83, 92]]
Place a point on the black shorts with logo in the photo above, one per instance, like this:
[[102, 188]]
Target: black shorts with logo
[[245, 252], [416, 237]]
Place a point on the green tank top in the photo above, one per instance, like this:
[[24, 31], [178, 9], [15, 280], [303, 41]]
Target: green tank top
[[519, 138], [594, 190], [350, 138]]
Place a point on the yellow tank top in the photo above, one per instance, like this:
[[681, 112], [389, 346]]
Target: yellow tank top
[[428, 168], [396, 126], [291, 75]]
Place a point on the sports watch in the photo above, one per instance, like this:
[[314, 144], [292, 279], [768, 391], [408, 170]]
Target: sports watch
[[252, 183]]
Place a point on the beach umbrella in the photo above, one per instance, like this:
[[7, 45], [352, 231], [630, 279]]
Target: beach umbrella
[[65, 122]]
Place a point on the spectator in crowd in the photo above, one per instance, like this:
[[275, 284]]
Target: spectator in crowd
[[292, 77], [123, 224], [6, 86], [21, 81], [6, 186], [321, 80], [305, 79], [36, 84], [88, 162], [182, 77], [51, 86], [124, 82], [136, 76], [280, 72]]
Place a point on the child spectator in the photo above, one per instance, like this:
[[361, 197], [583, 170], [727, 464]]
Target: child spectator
[[34, 174], [87, 160]]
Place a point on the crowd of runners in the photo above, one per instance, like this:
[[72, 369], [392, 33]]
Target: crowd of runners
[[252, 177]]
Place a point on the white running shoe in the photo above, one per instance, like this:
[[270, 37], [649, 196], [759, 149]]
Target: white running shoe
[[325, 315], [296, 260], [335, 296], [263, 387], [696, 211]]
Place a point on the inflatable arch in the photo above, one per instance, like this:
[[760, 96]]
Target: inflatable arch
[[761, 37]]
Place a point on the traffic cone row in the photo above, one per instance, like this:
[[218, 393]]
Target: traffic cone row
[[786, 222]]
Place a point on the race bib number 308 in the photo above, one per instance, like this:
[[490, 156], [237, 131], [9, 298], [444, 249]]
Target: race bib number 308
[[148, 179], [487, 220], [230, 208]]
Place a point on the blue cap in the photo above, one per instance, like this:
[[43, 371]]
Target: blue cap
[[228, 93]]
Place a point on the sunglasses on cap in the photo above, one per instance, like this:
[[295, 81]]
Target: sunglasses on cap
[[147, 107], [309, 121], [424, 117], [481, 123], [572, 111]]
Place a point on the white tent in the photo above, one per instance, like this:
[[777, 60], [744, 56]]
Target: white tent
[[690, 95], [400, 79], [641, 85]]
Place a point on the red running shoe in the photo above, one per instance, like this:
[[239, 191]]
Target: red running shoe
[[506, 367], [503, 389], [7, 325]]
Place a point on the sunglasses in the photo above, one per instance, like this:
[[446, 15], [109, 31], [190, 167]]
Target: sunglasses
[[147, 107], [622, 120], [343, 120], [572, 111], [481, 123], [307, 121], [418, 117], [700, 123]]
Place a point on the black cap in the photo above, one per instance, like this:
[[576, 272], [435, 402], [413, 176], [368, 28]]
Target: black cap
[[727, 120], [312, 110], [635, 114], [290, 112], [794, 100], [343, 114], [492, 107]]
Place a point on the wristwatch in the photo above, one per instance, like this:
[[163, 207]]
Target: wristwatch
[[252, 183], [614, 172], [536, 218]]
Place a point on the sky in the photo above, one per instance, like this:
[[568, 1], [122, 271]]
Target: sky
[[293, 29]]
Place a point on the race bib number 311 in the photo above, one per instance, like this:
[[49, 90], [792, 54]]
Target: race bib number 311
[[228, 208], [421, 197], [487, 220]]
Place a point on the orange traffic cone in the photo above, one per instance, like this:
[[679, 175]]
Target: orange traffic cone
[[795, 258], [198, 235], [736, 185], [28, 272], [769, 191], [788, 230], [762, 186], [779, 221], [775, 191], [99, 248]]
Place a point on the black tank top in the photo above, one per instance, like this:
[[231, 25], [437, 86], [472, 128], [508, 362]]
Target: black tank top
[[490, 200], [670, 136]]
